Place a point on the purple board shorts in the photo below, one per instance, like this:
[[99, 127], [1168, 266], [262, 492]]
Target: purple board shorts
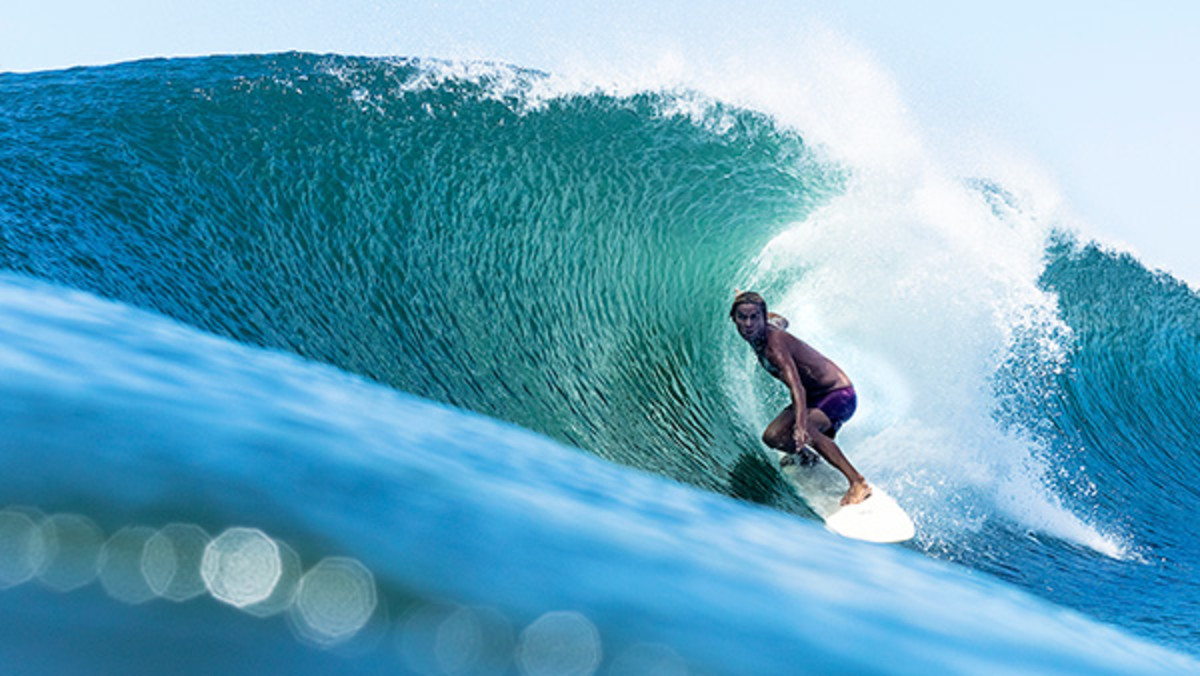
[[839, 405]]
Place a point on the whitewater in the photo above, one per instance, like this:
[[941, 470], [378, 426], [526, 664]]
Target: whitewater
[[321, 363]]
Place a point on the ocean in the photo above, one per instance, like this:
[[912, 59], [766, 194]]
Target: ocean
[[331, 364]]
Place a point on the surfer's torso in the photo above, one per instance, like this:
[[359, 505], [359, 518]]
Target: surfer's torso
[[818, 374]]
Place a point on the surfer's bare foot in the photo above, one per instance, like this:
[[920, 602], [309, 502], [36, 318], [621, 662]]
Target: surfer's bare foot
[[858, 492], [805, 458]]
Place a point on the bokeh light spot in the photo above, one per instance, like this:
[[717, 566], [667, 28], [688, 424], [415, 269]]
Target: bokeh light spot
[[285, 589], [73, 544], [22, 548], [560, 643], [171, 561], [474, 641], [335, 600], [241, 566], [120, 565], [454, 640]]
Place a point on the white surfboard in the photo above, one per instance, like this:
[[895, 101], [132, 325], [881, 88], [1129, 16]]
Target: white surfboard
[[877, 519]]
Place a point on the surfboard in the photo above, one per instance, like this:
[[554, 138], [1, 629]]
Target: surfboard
[[879, 518]]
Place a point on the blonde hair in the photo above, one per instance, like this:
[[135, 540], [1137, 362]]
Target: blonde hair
[[748, 297]]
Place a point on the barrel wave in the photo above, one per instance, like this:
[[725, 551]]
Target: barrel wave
[[538, 261], [369, 262]]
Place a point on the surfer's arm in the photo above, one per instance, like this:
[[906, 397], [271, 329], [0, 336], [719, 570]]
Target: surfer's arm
[[782, 359]]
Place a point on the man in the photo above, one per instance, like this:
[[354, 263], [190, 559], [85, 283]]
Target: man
[[822, 395]]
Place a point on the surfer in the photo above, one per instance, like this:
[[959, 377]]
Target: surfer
[[822, 395]]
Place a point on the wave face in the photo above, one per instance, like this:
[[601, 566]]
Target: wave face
[[562, 259], [538, 262]]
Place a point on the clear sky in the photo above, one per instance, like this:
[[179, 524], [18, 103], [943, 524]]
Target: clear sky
[[1102, 94]]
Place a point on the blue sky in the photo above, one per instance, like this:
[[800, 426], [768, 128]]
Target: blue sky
[[1102, 95]]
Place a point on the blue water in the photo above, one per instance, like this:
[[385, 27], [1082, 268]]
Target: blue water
[[326, 364]]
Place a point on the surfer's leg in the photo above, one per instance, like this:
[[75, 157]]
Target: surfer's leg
[[818, 422], [778, 435]]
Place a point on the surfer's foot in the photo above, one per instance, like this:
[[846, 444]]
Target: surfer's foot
[[858, 492], [805, 458]]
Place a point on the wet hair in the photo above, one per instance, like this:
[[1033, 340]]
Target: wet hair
[[748, 297]]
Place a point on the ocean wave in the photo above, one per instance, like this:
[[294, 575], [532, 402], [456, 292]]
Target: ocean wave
[[560, 255]]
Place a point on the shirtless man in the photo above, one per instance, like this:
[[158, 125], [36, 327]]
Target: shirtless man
[[822, 395]]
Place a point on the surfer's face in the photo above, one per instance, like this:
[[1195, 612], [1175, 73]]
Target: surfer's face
[[751, 323]]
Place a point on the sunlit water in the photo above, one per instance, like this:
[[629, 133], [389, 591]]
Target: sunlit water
[[319, 364]]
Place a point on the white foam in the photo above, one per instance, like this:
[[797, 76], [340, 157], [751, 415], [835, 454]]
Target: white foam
[[918, 286], [918, 289]]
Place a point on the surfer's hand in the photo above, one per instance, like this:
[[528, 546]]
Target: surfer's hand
[[801, 438]]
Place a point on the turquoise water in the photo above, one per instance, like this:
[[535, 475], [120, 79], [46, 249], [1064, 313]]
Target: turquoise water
[[438, 353]]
